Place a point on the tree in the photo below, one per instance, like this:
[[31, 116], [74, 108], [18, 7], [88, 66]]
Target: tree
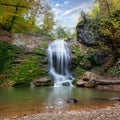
[[62, 33], [109, 25], [48, 22], [21, 15], [105, 29], [107, 6]]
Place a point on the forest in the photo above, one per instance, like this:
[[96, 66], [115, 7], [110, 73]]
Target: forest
[[49, 71], [101, 26]]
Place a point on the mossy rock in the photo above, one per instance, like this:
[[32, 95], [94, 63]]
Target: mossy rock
[[20, 85], [42, 82], [86, 64], [78, 72], [6, 83], [74, 82], [19, 67]]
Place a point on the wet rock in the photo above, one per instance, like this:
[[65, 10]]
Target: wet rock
[[72, 100], [90, 84], [66, 84], [89, 76], [20, 85], [88, 80], [80, 84], [42, 82], [85, 34]]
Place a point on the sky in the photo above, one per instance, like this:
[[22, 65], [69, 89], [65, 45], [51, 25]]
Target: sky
[[67, 12]]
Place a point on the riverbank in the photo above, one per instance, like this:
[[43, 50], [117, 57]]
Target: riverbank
[[108, 113]]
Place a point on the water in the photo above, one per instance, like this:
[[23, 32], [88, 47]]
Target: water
[[59, 62], [23, 101]]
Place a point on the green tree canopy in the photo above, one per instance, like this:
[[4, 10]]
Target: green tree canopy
[[22, 15], [62, 33]]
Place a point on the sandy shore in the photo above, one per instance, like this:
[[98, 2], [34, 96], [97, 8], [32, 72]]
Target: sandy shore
[[108, 113]]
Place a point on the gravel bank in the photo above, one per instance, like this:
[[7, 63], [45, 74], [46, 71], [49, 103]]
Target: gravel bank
[[109, 113]]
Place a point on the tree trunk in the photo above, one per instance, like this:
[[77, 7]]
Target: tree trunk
[[13, 19]]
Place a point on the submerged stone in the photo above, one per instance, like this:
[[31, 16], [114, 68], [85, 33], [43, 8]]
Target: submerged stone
[[115, 99], [66, 84], [72, 100]]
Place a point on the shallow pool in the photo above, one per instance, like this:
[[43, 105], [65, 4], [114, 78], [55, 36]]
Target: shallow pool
[[22, 101]]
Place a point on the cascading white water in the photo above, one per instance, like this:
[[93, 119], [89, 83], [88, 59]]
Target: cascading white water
[[59, 62]]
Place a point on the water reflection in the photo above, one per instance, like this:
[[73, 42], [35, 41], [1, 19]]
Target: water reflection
[[20, 101]]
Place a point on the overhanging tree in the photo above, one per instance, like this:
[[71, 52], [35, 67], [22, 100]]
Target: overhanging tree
[[21, 15]]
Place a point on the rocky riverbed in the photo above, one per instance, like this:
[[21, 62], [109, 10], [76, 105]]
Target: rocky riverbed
[[108, 113]]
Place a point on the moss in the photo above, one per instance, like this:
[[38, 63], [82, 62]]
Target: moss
[[75, 50], [79, 72], [74, 82], [29, 69], [42, 48], [115, 69], [8, 53], [19, 68]]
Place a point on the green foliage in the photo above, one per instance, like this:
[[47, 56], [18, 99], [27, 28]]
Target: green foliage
[[95, 12], [23, 16], [7, 54], [76, 51], [62, 33], [79, 72], [115, 69], [20, 68], [42, 48], [106, 27], [104, 23], [27, 71], [48, 22]]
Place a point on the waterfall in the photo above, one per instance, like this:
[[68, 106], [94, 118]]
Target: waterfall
[[59, 62]]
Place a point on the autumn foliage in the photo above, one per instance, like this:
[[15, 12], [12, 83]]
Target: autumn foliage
[[23, 16]]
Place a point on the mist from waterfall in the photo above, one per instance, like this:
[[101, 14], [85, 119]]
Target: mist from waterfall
[[59, 63]]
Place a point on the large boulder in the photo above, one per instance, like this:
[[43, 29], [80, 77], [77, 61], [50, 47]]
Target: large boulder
[[88, 80], [42, 82], [85, 31], [86, 36], [89, 76]]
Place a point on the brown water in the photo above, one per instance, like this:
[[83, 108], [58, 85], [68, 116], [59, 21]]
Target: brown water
[[23, 101]]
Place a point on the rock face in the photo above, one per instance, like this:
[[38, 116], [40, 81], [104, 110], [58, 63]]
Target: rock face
[[73, 46], [85, 34], [88, 80], [101, 56], [87, 37], [86, 64], [5, 35], [41, 82], [28, 41]]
